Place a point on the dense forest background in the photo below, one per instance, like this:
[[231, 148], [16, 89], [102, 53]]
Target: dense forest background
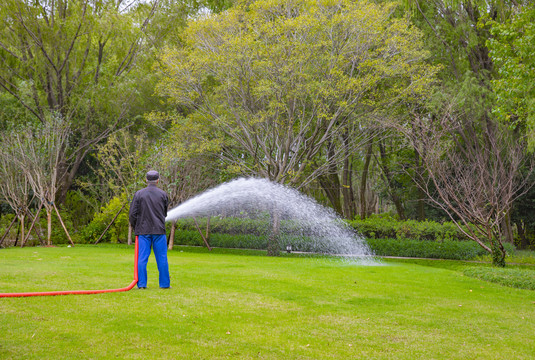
[[419, 109]]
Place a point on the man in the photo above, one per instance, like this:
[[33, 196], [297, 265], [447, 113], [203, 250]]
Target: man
[[147, 216]]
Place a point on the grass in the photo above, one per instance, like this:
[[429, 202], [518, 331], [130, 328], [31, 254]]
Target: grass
[[239, 305], [518, 278]]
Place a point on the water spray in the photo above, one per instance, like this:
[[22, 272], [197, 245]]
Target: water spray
[[81, 292], [307, 225]]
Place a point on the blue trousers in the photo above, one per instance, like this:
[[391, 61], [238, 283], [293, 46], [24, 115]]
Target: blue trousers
[[159, 244]]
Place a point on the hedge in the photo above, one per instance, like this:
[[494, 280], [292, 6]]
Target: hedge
[[449, 249], [387, 227], [236, 226], [193, 238], [242, 241]]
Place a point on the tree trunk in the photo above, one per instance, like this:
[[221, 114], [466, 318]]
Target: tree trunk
[[68, 176], [49, 226], [331, 187], [17, 236], [364, 180], [523, 233], [347, 191], [388, 177], [273, 248], [172, 236], [22, 230], [498, 251], [129, 234], [421, 195], [507, 228], [330, 182]]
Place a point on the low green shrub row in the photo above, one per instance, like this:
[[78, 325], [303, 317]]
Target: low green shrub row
[[242, 241], [512, 277], [454, 250], [387, 227], [193, 238], [236, 226], [228, 225]]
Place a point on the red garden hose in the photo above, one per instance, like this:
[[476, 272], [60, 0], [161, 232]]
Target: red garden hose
[[79, 292]]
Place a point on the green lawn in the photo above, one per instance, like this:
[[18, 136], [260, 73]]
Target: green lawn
[[238, 305]]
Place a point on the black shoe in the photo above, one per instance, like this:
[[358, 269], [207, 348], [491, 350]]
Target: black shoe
[[165, 288], [142, 288]]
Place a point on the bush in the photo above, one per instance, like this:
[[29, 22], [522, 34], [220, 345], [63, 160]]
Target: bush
[[101, 220], [441, 241], [193, 238], [239, 226], [517, 278], [449, 249], [455, 250], [387, 227]]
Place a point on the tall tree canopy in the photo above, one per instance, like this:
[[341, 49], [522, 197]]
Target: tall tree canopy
[[511, 49], [290, 81], [81, 60]]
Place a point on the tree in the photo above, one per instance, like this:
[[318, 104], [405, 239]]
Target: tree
[[14, 185], [285, 80], [77, 59], [473, 173], [511, 49], [39, 152], [461, 34], [182, 178]]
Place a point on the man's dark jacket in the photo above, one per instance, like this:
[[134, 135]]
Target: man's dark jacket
[[148, 211]]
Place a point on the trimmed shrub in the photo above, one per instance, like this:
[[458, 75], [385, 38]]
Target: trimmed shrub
[[387, 227], [449, 249], [239, 226], [440, 241], [193, 238], [455, 250]]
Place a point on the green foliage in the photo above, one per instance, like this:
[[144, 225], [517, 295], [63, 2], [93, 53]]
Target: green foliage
[[498, 257], [386, 226], [58, 233], [511, 50], [102, 219], [241, 241], [284, 80], [231, 225], [512, 277], [456, 250], [78, 209], [122, 166]]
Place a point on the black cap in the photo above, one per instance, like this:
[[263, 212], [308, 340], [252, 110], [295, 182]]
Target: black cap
[[153, 175]]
